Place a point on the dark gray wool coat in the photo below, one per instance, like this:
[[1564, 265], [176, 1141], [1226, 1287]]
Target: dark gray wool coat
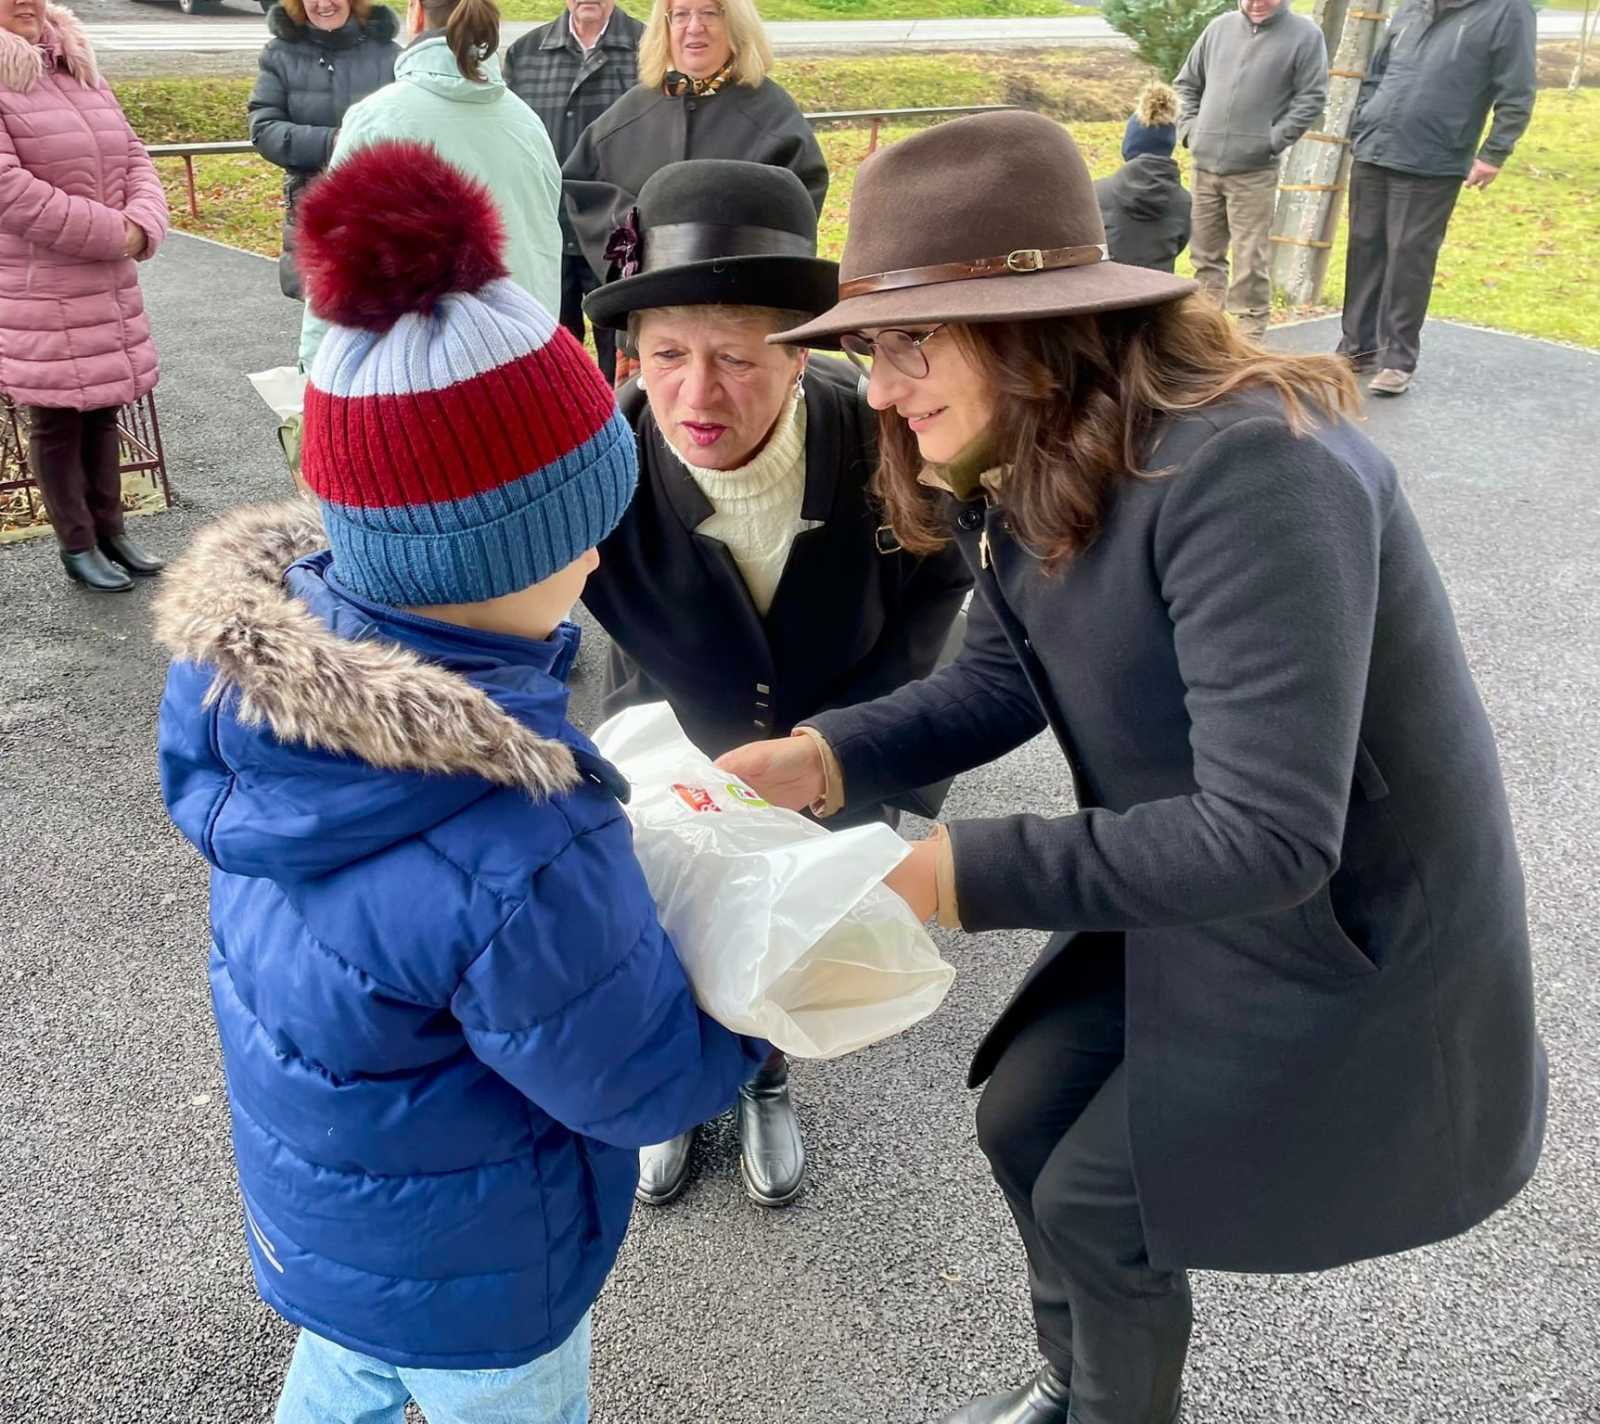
[[1291, 807], [646, 129], [306, 79]]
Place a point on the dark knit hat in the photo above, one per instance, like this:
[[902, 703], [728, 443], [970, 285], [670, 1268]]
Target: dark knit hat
[[461, 443], [1153, 126]]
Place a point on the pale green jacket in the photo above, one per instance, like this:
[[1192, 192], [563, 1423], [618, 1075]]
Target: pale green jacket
[[487, 132]]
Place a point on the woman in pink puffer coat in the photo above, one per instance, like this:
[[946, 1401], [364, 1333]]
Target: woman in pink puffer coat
[[80, 202]]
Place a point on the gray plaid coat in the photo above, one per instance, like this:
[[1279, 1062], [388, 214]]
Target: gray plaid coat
[[548, 70]]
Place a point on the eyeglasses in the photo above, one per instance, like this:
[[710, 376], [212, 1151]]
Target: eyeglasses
[[901, 349], [680, 19]]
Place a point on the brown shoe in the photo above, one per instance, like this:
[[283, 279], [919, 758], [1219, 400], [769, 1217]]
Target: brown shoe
[[1390, 382]]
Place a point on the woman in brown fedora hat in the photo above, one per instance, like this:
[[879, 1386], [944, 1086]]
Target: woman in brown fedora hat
[[1285, 1018]]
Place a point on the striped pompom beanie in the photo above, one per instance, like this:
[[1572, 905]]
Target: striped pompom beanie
[[461, 443]]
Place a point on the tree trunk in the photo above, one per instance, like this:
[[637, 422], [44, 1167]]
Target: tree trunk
[[1316, 170], [1584, 31]]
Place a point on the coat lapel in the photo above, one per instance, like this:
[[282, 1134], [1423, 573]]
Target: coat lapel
[[812, 556]]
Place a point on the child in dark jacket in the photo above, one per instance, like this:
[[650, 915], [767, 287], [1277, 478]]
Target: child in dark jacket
[[1144, 203], [449, 1015]]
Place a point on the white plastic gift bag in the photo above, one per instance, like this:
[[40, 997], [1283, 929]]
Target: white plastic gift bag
[[283, 388], [785, 930]]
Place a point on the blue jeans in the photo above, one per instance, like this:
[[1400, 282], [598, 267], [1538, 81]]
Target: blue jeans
[[328, 1384]]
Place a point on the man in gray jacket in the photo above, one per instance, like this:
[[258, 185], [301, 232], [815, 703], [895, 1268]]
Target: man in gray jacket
[[1415, 140], [1253, 83]]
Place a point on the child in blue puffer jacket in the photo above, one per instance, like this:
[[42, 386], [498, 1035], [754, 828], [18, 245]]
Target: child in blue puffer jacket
[[449, 1016]]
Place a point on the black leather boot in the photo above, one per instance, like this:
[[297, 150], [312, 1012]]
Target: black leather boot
[[663, 1169], [93, 570], [1043, 1400], [120, 549], [772, 1157]]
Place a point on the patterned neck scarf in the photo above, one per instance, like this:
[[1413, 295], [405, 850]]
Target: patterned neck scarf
[[681, 86]]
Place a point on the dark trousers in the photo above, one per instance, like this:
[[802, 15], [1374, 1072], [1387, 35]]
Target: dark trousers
[[1397, 226], [577, 281], [72, 455], [1053, 1123]]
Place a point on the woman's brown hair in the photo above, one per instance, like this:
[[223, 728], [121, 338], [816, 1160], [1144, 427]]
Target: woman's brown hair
[[1075, 399], [471, 29]]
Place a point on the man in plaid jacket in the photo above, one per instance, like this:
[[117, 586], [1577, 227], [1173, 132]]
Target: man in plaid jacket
[[569, 72]]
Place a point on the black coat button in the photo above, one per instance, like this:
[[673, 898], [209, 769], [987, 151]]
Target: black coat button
[[970, 517]]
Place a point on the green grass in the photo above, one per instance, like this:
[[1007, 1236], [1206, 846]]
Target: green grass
[[1525, 256]]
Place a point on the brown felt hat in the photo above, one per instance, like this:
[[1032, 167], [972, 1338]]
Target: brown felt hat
[[989, 218]]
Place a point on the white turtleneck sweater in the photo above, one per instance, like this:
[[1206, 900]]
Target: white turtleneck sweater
[[757, 506]]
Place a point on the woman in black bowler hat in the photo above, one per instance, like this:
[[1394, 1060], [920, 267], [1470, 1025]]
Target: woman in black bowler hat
[[751, 583]]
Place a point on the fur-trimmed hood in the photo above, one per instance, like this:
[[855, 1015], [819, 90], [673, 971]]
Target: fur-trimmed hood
[[381, 24], [225, 606], [22, 65]]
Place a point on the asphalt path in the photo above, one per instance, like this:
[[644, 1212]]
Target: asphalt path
[[894, 1287], [133, 26]]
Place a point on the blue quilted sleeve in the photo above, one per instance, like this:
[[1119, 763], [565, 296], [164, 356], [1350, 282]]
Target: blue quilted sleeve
[[580, 1003]]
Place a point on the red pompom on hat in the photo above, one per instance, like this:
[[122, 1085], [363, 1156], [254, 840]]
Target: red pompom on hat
[[392, 230]]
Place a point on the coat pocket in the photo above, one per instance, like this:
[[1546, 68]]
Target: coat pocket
[[1331, 939]]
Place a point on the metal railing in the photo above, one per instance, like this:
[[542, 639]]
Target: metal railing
[[139, 449], [874, 118], [188, 152]]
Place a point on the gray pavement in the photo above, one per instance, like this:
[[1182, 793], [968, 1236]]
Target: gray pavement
[[894, 1287], [131, 26]]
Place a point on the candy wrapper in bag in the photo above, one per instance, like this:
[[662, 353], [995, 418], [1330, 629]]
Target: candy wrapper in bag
[[784, 929]]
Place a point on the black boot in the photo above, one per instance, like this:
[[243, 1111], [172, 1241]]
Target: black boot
[[120, 549], [663, 1169], [771, 1155], [1043, 1400], [93, 570]]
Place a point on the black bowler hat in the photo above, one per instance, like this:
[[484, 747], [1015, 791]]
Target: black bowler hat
[[712, 231]]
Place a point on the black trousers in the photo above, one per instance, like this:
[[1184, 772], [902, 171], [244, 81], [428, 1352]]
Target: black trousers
[[1397, 226], [72, 455], [1053, 1123], [577, 281]]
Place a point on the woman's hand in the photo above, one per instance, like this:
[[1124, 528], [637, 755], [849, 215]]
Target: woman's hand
[[916, 879], [134, 241], [787, 771]]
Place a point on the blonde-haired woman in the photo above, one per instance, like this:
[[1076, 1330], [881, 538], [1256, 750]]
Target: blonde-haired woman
[[324, 56], [703, 92]]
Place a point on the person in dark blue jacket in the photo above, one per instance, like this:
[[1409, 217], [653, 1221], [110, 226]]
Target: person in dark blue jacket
[[449, 1015]]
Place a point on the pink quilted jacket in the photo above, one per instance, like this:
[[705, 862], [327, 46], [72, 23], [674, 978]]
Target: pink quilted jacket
[[73, 329]]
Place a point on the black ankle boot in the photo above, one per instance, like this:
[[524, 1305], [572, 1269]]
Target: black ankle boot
[[772, 1157], [120, 549], [93, 570], [1043, 1400]]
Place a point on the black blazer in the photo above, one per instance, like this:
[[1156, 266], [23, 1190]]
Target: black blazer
[[848, 623], [1291, 810]]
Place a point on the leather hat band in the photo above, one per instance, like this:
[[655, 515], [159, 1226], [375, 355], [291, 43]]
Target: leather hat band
[[1023, 260], [674, 244]]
